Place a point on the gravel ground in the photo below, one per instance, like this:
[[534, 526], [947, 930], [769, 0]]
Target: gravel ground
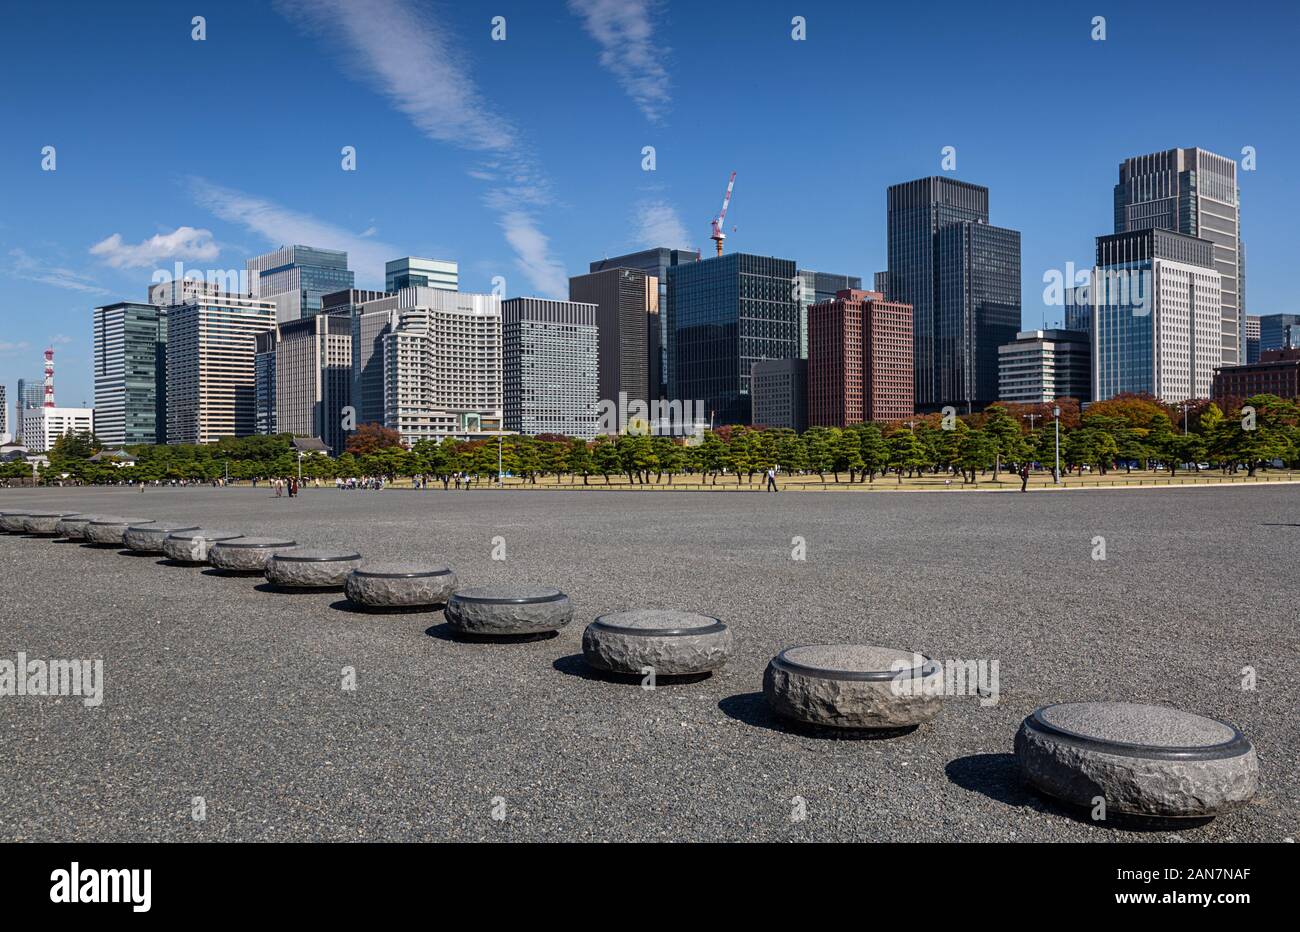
[[217, 688]]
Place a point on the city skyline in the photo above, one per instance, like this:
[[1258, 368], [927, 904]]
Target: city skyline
[[144, 200]]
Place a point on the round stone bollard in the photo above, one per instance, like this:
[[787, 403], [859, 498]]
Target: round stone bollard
[[149, 538], [74, 527], [247, 554], [110, 529], [1142, 760], [312, 569], [394, 585], [12, 522], [45, 523], [506, 611], [193, 546], [854, 686], [671, 643]]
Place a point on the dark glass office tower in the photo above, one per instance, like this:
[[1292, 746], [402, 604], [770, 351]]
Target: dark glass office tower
[[962, 277], [1194, 192], [656, 262], [725, 314], [298, 277]]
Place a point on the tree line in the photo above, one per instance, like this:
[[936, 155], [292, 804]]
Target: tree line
[[1125, 432]]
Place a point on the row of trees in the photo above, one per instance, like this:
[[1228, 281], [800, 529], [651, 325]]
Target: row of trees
[[1125, 432]]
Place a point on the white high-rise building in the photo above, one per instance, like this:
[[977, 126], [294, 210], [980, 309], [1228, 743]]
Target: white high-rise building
[[442, 365], [1194, 192], [43, 426], [549, 381], [1156, 312], [211, 370]]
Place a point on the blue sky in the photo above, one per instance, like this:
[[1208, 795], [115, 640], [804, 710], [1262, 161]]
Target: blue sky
[[522, 157]]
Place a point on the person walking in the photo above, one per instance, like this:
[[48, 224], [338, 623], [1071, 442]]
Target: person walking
[[1024, 476]]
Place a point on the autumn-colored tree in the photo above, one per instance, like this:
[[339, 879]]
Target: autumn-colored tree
[[371, 438]]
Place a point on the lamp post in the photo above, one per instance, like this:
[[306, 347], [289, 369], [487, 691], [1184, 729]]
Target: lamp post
[[1056, 472], [1031, 420], [1185, 406], [501, 481]]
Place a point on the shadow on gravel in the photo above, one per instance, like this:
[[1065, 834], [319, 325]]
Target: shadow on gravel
[[997, 776], [576, 665], [752, 709], [177, 564], [134, 553], [445, 632], [356, 608], [235, 574], [296, 590], [1277, 524]]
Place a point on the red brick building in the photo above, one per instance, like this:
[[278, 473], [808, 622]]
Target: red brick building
[[859, 360], [1276, 373]]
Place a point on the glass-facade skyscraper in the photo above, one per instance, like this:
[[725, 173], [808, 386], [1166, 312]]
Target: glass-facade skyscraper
[[961, 275], [297, 277], [816, 288], [656, 262], [1278, 331], [724, 315], [414, 272], [1194, 192], [130, 355]]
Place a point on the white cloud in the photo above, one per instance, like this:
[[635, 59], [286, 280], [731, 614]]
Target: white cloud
[[60, 339], [624, 30], [185, 243], [659, 225], [405, 54], [532, 255], [29, 268], [9, 347], [281, 226]]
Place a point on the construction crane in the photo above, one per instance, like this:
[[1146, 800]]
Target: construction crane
[[718, 236]]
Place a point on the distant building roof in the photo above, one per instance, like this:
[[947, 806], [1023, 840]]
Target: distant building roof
[[310, 445]]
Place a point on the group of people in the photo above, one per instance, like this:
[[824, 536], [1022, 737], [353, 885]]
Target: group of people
[[285, 486], [375, 483]]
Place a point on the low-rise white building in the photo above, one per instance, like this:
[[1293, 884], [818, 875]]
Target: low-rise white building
[[42, 426]]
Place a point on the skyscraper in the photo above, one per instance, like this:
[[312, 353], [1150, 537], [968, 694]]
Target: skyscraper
[[211, 368], [859, 360], [295, 278], [815, 288], [1276, 331], [442, 364], [655, 262], [1194, 192], [412, 271], [962, 277], [550, 376], [1155, 316], [724, 315], [1253, 324], [627, 325], [311, 371], [130, 359]]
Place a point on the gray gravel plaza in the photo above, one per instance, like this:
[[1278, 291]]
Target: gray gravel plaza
[[223, 688]]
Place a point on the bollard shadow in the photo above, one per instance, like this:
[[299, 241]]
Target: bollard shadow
[[445, 632], [168, 561], [998, 777], [752, 709], [135, 553], [296, 590], [356, 608], [576, 665], [234, 574]]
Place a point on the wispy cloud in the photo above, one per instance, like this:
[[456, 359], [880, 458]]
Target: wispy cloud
[[624, 29], [7, 346], [60, 339], [29, 268], [281, 226], [659, 225], [405, 54], [185, 243]]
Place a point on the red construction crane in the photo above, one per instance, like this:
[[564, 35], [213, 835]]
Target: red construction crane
[[718, 236]]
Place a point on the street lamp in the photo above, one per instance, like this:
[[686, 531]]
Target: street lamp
[[1031, 420], [1185, 406], [1056, 472]]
